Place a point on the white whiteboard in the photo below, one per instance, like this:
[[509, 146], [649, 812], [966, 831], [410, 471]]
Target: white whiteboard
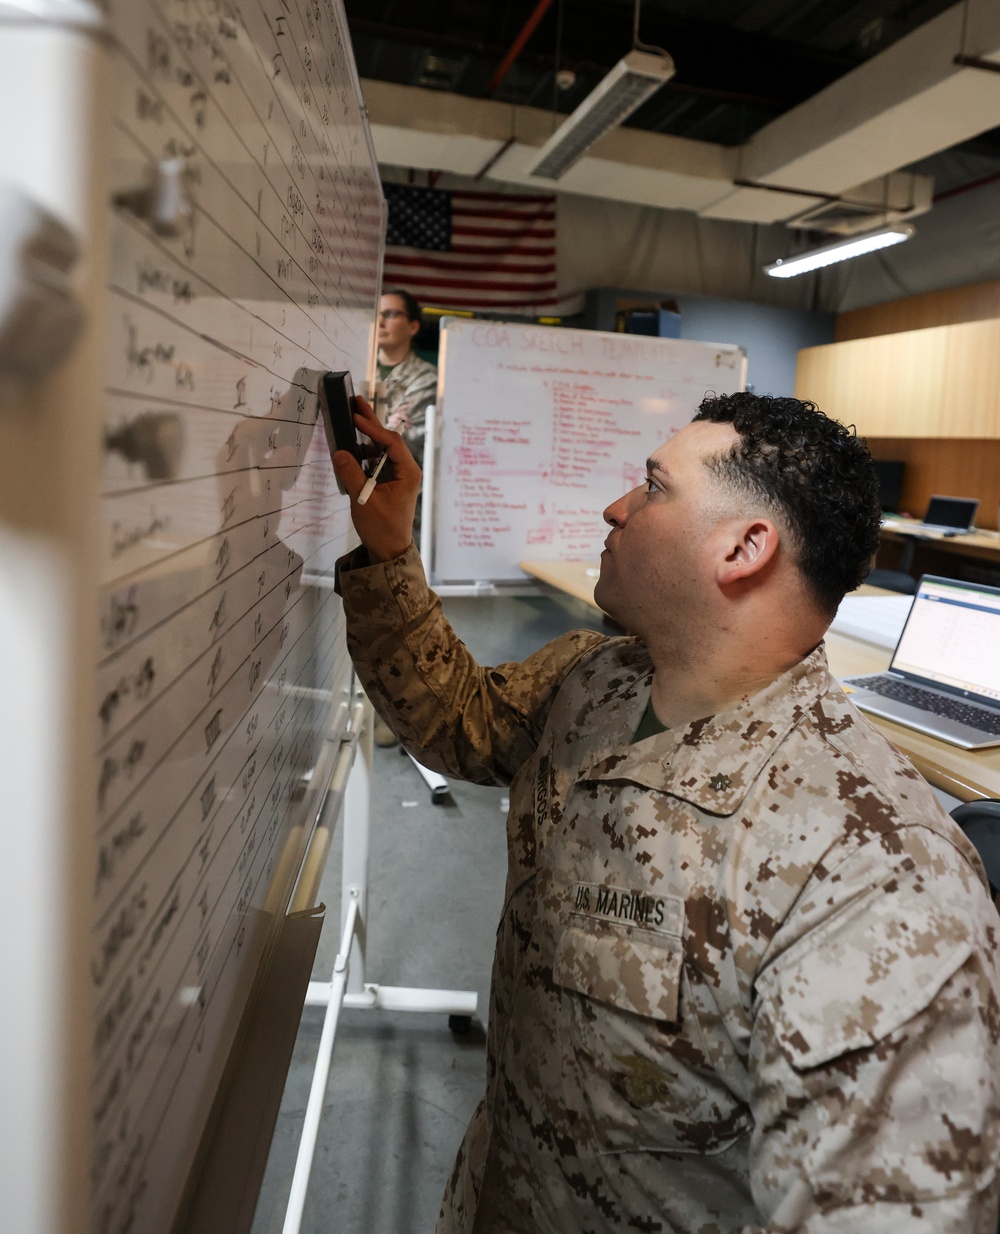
[[541, 428], [223, 662]]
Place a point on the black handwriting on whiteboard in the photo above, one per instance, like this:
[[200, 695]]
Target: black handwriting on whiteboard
[[208, 796], [213, 730], [111, 851], [218, 617], [125, 925]]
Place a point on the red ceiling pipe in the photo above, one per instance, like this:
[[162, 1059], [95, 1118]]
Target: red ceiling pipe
[[527, 30]]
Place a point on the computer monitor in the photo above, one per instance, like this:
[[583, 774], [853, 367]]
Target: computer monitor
[[889, 474]]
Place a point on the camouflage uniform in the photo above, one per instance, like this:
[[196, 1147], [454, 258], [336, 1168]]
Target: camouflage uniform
[[745, 974], [409, 387]]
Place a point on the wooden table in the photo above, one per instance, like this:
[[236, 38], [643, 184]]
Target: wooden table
[[966, 774], [907, 545], [576, 578]]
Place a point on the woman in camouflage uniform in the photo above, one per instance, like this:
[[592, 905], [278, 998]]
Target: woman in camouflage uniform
[[409, 384]]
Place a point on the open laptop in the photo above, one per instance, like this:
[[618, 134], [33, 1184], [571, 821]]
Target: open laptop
[[954, 514], [944, 676]]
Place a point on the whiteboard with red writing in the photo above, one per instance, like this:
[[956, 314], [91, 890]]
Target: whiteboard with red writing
[[541, 428]]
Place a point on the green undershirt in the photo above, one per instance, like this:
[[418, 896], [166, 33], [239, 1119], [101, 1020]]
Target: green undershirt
[[649, 725]]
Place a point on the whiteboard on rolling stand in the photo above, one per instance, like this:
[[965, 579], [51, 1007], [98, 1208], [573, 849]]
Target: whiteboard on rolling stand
[[540, 428]]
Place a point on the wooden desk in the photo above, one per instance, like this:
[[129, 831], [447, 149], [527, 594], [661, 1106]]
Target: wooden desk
[[908, 545], [966, 774], [576, 578]]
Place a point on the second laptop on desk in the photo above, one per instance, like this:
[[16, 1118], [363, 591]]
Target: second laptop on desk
[[950, 515], [944, 676]]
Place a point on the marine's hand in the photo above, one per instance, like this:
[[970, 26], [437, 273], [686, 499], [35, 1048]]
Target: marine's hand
[[385, 521]]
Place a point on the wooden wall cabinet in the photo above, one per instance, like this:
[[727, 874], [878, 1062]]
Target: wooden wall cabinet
[[943, 381], [933, 402], [972, 379]]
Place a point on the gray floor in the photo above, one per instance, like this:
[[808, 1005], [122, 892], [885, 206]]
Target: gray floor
[[403, 1086]]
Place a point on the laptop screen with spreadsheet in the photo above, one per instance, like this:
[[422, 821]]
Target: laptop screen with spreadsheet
[[952, 638]]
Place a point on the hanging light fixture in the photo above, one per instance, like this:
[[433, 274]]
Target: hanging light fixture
[[633, 79], [841, 250], [626, 87]]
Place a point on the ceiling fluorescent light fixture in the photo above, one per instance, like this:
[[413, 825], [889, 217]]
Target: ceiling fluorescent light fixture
[[633, 79], [829, 254]]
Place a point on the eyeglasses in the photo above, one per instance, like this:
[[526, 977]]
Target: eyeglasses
[[390, 314]]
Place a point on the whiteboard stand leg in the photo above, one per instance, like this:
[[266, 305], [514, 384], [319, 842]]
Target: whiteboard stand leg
[[321, 1075], [347, 987], [354, 875], [358, 993], [427, 486], [354, 906], [436, 783]]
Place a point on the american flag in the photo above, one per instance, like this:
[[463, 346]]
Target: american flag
[[470, 250]]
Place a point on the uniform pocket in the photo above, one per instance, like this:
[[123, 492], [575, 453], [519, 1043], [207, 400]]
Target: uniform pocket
[[630, 965], [638, 1071], [859, 976]]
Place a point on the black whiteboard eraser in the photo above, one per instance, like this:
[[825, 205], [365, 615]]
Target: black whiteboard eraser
[[337, 407]]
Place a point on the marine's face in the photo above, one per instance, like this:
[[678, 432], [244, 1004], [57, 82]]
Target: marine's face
[[658, 563], [394, 327]]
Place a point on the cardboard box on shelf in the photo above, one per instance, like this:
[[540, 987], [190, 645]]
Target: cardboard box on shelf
[[662, 319]]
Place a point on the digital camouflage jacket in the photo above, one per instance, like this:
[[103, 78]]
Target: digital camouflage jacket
[[745, 976], [409, 387]]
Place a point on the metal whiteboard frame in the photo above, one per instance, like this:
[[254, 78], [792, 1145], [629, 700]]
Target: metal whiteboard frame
[[350, 786]]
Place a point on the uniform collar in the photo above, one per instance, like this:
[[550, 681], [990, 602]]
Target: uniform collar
[[713, 762], [402, 367]]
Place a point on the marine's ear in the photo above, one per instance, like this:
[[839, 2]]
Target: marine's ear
[[748, 547]]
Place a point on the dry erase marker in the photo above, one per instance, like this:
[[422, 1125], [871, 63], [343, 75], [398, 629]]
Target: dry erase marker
[[369, 487]]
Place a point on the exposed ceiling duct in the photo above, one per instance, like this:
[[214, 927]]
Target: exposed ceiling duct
[[826, 164]]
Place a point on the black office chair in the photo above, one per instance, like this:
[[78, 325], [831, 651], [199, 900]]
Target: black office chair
[[892, 580], [980, 820]]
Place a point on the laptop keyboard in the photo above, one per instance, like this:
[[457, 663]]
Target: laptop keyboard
[[937, 704]]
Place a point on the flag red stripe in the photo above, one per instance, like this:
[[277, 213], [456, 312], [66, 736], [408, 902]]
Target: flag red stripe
[[509, 285], [504, 267], [536, 233], [546, 253], [473, 302], [526, 292], [483, 255], [517, 216], [521, 198]]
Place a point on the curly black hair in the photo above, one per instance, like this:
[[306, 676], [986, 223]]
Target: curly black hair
[[815, 473]]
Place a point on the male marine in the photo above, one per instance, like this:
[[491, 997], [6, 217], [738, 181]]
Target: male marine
[[745, 975]]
